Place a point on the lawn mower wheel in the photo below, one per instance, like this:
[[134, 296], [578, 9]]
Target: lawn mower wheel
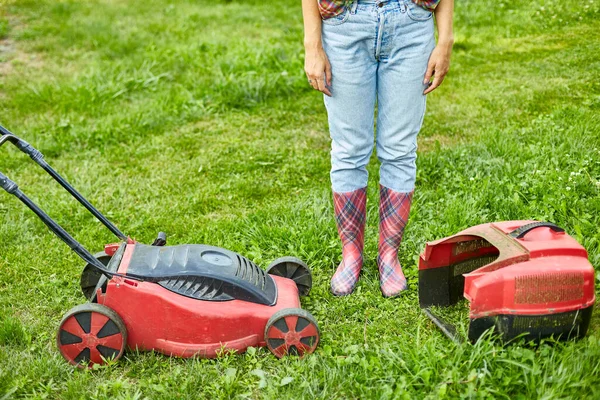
[[91, 334], [292, 331], [90, 275], [295, 269]]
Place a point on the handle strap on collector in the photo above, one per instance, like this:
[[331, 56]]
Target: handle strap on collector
[[519, 233]]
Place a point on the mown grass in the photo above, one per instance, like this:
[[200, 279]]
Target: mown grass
[[193, 117]]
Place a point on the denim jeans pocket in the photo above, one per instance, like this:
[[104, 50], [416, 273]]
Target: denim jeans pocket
[[417, 13], [338, 19]]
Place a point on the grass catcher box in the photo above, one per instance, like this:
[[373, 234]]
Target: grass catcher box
[[520, 277]]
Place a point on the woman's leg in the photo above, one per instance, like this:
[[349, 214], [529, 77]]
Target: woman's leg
[[350, 218], [348, 42], [405, 45], [394, 208]]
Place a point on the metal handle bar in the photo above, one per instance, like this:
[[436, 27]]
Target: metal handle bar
[[448, 329], [6, 138], [12, 188], [38, 157]]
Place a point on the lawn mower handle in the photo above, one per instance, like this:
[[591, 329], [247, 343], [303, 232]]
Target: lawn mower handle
[[25, 147], [12, 188], [38, 157]]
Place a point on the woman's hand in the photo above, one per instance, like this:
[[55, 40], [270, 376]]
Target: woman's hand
[[318, 69], [316, 64], [438, 66], [439, 61]]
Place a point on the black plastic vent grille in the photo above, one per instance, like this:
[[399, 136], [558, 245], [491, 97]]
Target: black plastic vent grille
[[203, 272], [196, 288], [251, 272]]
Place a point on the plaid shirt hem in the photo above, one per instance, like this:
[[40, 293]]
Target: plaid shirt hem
[[332, 8]]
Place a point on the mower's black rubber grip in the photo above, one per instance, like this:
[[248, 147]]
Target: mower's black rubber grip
[[519, 233], [7, 184]]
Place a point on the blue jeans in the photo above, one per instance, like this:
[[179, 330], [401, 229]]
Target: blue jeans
[[378, 50]]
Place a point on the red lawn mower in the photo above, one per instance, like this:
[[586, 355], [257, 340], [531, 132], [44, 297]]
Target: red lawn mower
[[187, 300], [523, 278]]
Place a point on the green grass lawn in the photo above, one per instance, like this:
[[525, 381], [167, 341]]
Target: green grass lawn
[[194, 117]]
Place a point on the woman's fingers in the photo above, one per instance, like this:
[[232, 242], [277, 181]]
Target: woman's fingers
[[438, 77], [437, 81], [313, 82], [319, 83], [328, 73], [430, 71], [323, 87]]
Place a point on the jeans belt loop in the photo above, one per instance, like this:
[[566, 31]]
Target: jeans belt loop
[[402, 4], [353, 7]]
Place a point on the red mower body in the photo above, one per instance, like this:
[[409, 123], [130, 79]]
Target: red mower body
[[186, 301], [521, 277], [165, 321]]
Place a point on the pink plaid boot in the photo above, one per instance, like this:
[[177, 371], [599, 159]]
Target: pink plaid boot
[[350, 211], [394, 208]]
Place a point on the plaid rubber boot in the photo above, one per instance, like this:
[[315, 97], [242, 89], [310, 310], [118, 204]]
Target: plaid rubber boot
[[350, 213], [394, 208]]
